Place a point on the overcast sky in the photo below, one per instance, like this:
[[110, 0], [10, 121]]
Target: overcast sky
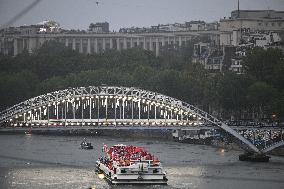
[[78, 14]]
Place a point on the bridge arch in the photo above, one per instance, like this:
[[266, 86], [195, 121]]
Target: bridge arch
[[169, 110]]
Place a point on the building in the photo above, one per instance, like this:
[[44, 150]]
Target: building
[[176, 27], [196, 25], [14, 40], [9, 43], [236, 66], [209, 55], [212, 26], [246, 29], [253, 21], [172, 27], [99, 27]]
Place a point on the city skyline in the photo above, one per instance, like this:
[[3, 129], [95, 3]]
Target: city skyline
[[124, 13]]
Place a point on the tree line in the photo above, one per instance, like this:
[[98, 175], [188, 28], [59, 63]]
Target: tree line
[[259, 93]]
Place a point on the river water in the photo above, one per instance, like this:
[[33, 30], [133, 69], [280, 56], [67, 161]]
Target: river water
[[57, 162]]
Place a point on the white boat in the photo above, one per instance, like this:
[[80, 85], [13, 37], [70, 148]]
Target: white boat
[[130, 165]]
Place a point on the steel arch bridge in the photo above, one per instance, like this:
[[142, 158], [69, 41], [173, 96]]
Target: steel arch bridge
[[110, 105]]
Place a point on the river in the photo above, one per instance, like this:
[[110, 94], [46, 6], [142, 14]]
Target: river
[[38, 161]]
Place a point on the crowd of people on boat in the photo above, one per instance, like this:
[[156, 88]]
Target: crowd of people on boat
[[126, 155], [131, 153]]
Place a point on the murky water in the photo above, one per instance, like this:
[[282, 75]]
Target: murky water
[[58, 162]]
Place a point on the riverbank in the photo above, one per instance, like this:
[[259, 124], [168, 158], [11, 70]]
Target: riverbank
[[129, 132]]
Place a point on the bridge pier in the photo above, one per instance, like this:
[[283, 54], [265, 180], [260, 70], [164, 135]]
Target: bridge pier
[[254, 157]]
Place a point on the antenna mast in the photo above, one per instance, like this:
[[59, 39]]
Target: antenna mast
[[238, 8]]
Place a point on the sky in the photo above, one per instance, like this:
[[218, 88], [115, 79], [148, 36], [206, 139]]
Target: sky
[[78, 14]]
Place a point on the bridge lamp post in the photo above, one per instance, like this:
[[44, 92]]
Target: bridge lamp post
[[139, 108], [118, 102], [165, 116], [82, 110], [155, 110], [65, 112], [90, 107], [73, 108], [181, 115], [24, 117], [115, 102], [112, 97], [176, 113], [28, 118], [123, 106], [106, 104], [98, 110], [148, 109], [47, 111], [57, 112], [132, 106], [12, 123]]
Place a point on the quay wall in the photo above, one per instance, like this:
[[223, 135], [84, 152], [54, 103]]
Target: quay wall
[[159, 133]]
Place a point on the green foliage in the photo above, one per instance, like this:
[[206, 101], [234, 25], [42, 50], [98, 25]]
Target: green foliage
[[17, 87], [231, 93], [262, 64], [261, 97], [278, 106], [265, 95]]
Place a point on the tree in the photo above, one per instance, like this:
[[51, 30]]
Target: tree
[[17, 87], [262, 64], [278, 106], [261, 96], [231, 94]]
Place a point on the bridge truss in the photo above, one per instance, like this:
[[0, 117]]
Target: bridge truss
[[109, 105]]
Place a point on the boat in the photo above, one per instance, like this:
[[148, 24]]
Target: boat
[[193, 136], [28, 132], [86, 145], [254, 157], [124, 164]]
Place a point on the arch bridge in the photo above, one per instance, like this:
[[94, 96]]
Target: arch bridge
[[110, 105]]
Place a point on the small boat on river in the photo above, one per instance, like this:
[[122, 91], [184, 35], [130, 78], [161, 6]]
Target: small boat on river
[[28, 132], [86, 145], [124, 164]]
